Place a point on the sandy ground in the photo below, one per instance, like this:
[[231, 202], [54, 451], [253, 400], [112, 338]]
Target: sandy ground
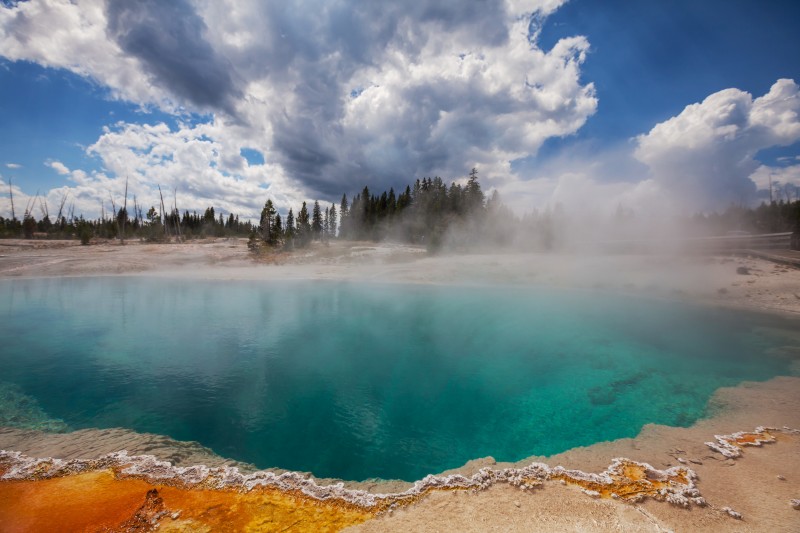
[[750, 484], [762, 285]]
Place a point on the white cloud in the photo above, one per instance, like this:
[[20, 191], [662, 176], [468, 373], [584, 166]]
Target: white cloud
[[72, 36], [704, 157], [785, 181], [335, 95], [189, 161], [58, 166], [700, 160], [13, 166]]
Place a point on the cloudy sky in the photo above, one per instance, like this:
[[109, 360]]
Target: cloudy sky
[[686, 104]]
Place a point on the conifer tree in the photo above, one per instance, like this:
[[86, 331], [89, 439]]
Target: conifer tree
[[289, 231], [316, 221], [344, 218], [391, 202], [277, 229], [473, 193], [267, 220], [332, 221], [303, 226]]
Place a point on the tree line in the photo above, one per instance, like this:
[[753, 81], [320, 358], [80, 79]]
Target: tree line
[[427, 212], [422, 213], [151, 226]]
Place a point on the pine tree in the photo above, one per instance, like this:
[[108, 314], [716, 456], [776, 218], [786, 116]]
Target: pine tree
[[344, 218], [473, 193], [455, 198], [391, 202], [267, 218], [277, 229], [332, 221], [316, 221], [303, 226], [289, 231]]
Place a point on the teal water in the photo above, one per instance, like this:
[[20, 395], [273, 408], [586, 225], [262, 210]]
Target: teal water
[[360, 381]]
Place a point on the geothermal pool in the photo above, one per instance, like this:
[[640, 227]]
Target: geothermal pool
[[358, 381]]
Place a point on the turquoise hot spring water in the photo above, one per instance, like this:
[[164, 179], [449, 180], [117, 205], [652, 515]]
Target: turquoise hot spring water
[[359, 381]]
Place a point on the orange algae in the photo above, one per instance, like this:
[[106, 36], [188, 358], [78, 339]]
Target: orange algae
[[101, 501], [140, 493], [105, 501], [629, 480], [118, 492], [123, 493], [753, 439], [731, 445]]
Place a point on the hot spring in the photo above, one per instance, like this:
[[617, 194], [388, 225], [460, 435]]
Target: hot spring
[[358, 381]]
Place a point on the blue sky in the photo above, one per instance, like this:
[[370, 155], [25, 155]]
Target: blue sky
[[650, 59], [232, 102], [53, 114]]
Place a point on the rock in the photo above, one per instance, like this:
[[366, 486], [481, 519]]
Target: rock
[[744, 271], [517, 503]]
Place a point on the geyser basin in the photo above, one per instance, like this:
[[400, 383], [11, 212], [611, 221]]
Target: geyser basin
[[359, 381]]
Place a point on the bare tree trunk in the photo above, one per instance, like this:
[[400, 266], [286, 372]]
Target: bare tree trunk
[[163, 211], [11, 194], [29, 205], [125, 211], [137, 212], [770, 191], [114, 208], [61, 208]]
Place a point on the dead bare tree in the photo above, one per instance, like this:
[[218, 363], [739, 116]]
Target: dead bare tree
[[11, 195], [28, 221], [30, 204], [61, 208], [43, 207], [114, 208], [771, 201], [163, 212], [124, 212], [137, 213]]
